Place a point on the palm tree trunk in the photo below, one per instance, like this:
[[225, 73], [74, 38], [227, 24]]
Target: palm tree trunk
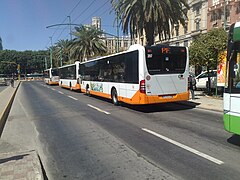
[[149, 30]]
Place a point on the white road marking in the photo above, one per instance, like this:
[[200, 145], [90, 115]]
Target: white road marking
[[24, 110], [60, 92], [98, 109], [73, 98], [53, 89], [185, 147]]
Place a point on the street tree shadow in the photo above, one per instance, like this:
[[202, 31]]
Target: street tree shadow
[[235, 140], [13, 158]]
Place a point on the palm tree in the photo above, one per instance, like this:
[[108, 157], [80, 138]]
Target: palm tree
[[88, 43], [155, 17], [62, 47]]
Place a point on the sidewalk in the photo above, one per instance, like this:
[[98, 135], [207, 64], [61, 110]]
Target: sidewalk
[[15, 164], [204, 101]]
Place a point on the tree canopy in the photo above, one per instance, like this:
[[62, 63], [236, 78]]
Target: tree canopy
[[29, 61], [205, 50], [87, 43], [155, 17]]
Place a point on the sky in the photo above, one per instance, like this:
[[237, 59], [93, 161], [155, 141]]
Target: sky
[[23, 22]]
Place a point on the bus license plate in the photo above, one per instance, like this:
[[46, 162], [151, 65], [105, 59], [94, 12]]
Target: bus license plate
[[165, 97]]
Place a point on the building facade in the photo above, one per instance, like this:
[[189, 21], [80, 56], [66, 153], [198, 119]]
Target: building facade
[[222, 13], [96, 22], [195, 24], [114, 44]]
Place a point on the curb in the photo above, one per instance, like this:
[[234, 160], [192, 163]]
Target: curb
[[17, 164], [6, 109]]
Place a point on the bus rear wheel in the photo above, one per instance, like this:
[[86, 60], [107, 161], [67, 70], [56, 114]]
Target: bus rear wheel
[[114, 97]]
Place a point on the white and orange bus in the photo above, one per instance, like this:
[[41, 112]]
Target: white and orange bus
[[140, 75], [69, 77], [51, 76]]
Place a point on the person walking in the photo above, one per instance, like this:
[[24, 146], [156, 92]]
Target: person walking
[[191, 88], [12, 82]]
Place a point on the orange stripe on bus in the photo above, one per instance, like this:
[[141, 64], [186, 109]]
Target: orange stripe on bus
[[52, 83], [140, 98]]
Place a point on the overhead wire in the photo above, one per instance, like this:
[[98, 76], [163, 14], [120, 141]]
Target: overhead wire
[[84, 10], [94, 12], [64, 21], [98, 9], [73, 9]]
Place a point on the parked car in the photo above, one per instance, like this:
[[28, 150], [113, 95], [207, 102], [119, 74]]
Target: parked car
[[3, 80], [202, 79]]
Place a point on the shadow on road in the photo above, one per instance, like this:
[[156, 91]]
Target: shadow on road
[[235, 140], [150, 108], [161, 107]]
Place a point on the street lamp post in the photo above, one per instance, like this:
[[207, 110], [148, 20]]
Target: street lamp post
[[224, 14], [70, 28], [51, 53]]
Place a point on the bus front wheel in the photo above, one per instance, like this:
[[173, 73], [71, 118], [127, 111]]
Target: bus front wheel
[[114, 97]]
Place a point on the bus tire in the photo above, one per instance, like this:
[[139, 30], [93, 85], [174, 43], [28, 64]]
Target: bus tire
[[114, 97], [87, 90]]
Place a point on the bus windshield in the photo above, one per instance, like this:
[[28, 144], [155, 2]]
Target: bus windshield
[[234, 70], [166, 60], [54, 72]]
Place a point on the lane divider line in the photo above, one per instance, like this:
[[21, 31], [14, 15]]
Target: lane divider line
[[98, 109], [194, 151], [73, 98], [60, 92], [53, 89]]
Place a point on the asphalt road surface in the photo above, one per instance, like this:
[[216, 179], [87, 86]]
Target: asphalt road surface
[[81, 137]]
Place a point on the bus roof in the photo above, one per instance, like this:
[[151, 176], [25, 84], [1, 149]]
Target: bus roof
[[68, 65], [131, 48]]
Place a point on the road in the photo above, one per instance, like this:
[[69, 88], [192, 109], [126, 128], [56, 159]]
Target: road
[[81, 137]]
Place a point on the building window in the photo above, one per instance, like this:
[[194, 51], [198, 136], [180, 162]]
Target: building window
[[197, 10], [197, 25], [185, 43], [177, 29], [177, 43], [125, 44], [141, 41], [238, 9], [186, 28], [215, 2]]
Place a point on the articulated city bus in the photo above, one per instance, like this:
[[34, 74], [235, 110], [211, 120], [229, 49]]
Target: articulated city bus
[[232, 86], [69, 77], [141, 75], [51, 76]]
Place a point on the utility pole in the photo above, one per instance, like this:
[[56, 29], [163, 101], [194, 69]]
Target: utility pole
[[118, 31], [45, 63], [70, 28], [224, 14], [51, 63], [61, 59]]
